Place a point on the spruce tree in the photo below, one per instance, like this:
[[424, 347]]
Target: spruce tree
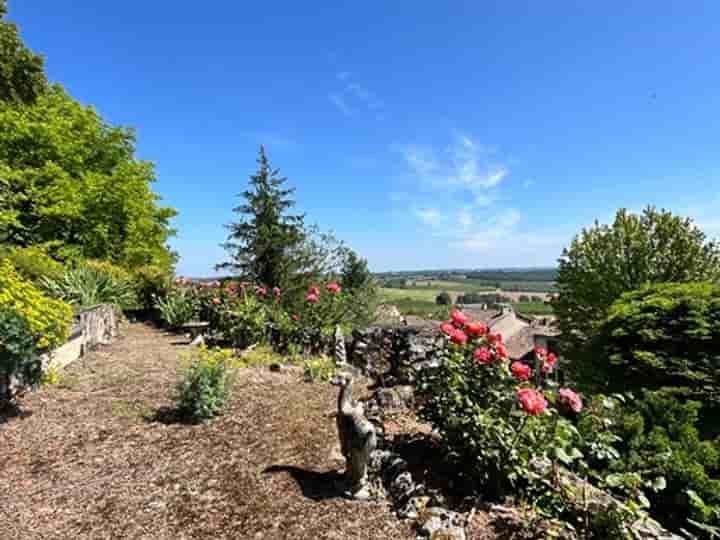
[[264, 243]]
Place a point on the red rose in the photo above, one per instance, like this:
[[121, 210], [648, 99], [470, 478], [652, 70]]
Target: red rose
[[333, 288], [447, 328], [482, 355], [549, 363], [312, 298], [216, 301], [521, 371], [315, 290], [501, 351], [571, 399], [494, 338], [531, 401], [476, 329], [458, 317], [540, 352], [459, 337]]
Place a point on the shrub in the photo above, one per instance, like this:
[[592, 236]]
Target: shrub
[[655, 438], [19, 358], [320, 369], [443, 299], [205, 383], [176, 308], [662, 336], [48, 319], [84, 287], [32, 263], [240, 317], [151, 282], [496, 419]]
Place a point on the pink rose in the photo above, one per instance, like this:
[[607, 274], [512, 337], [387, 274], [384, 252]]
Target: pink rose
[[521, 371], [315, 290], [459, 337], [261, 291], [531, 401], [482, 355], [296, 317], [549, 363], [540, 352], [458, 317], [447, 328], [312, 298], [216, 301], [276, 292], [571, 399], [501, 351], [333, 288], [476, 329], [494, 338]]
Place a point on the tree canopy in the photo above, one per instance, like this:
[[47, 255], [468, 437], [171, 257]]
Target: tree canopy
[[605, 261]]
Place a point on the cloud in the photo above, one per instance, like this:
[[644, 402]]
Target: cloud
[[429, 216], [528, 183], [355, 96], [340, 103]]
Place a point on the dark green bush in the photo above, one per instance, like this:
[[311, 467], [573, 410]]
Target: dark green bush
[[19, 357], [443, 299], [662, 336]]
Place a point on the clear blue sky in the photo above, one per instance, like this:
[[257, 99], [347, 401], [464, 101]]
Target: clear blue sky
[[425, 134]]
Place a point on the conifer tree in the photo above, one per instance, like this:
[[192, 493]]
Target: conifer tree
[[265, 242]]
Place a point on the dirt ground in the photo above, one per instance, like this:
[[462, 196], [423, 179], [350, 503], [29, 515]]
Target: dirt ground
[[95, 457]]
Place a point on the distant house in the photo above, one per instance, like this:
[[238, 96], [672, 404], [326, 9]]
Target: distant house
[[521, 334]]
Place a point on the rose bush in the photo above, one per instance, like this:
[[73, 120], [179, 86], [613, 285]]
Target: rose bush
[[498, 420]]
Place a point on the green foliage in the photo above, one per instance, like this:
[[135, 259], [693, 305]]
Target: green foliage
[[443, 299], [177, 307], [605, 261], [264, 244], [19, 357], [22, 75], [662, 336], [320, 369], [74, 185], [242, 319], [32, 262], [48, 319], [205, 383], [653, 443], [87, 286], [357, 281], [150, 282]]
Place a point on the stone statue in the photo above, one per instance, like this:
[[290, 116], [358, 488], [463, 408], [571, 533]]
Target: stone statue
[[357, 437], [340, 353]]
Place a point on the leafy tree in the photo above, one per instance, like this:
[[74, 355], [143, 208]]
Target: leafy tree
[[267, 244], [354, 274], [19, 357], [444, 299], [22, 75], [74, 186], [662, 336], [605, 261]]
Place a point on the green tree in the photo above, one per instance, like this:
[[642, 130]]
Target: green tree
[[22, 75], [354, 274], [444, 299], [74, 186], [268, 244], [605, 261]]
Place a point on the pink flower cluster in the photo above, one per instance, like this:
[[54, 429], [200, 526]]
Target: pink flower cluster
[[313, 296], [547, 359], [460, 329]]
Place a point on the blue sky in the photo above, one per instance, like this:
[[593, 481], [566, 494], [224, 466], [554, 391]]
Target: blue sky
[[425, 134]]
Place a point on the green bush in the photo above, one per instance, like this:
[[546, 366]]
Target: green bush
[[662, 336], [49, 320], [443, 299], [86, 286], [176, 308], [32, 263], [151, 282], [656, 439], [19, 358], [205, 383]]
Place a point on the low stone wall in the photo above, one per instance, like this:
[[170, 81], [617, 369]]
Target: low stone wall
[[390, 353]]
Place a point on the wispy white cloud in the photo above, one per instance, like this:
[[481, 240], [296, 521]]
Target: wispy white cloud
[[355, 96], [340, 103], [429, 216]]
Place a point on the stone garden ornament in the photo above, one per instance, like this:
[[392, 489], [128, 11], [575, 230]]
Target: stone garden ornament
[[357, 438]]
